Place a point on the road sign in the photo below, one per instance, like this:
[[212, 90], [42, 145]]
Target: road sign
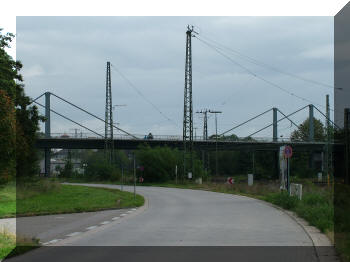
[[288, 152], [141, 179], [230, 180]]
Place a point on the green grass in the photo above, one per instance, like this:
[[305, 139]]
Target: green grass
[[315, 207], [8, 200], [10, 246], [7, 244], [47, 197]]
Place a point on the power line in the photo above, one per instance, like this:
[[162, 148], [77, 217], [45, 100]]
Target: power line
[[262, 64], [255, 75], [142, 95]]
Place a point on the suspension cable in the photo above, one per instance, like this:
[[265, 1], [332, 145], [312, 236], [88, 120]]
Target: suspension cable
[[245, 122], [67, 118]]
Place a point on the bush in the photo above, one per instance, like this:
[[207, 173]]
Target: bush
[[98, 168], [283, 199], [159, 164]]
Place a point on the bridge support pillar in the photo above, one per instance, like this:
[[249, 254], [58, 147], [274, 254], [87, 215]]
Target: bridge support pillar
[[311, 123], [274, 136], [311, 133], [47, 134]]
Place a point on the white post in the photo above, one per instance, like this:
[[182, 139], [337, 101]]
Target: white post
[[250, 179]]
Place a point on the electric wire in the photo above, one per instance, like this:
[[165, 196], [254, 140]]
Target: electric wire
[[262, 64], [142, 95], [254, 74]]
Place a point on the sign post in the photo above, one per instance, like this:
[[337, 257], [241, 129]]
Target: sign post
[[176, 174], [288, 152]]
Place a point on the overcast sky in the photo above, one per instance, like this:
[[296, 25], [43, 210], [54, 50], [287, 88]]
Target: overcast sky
[[67, 56]]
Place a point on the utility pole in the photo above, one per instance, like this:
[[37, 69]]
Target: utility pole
[[205, 131], [187, 133], [216, 138], [109, 143], [205, 122]]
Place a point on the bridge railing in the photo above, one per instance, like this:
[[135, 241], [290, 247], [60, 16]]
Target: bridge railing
[[170, 137]]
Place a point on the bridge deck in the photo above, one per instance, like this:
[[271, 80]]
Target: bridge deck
[[97, 143]]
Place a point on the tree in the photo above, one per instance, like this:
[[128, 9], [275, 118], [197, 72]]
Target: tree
[[7, 138], [27, 116], [301, 164], [302, 133]]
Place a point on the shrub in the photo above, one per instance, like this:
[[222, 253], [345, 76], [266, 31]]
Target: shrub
[[283, 199]]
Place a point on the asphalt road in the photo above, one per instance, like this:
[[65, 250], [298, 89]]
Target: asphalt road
[[187, 225], [182, 217]]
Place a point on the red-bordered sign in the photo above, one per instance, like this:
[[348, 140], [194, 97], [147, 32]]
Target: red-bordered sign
[[141, 179], [288, 152], [230, 180]]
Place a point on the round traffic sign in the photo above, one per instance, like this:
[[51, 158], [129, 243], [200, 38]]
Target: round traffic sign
[[288, 152]]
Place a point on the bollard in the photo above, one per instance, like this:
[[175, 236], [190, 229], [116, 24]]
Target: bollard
[[250, 179], [319, 177], [296, 190], [198, 181]]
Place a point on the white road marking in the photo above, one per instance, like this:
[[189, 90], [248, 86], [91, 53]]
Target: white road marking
[[130, 211], [105, 222], [123, 215], [51, 242], [92, 227], [73, 234], [134, 209], [115, 218]]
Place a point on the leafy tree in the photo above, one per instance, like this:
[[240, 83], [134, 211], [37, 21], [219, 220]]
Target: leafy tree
[[159, 163], [27, 116], [301, 161], [98, 168], [7, 138], [302, 133]]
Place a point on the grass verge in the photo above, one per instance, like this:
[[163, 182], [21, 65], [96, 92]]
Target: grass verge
[[10, 246], [47, 197]]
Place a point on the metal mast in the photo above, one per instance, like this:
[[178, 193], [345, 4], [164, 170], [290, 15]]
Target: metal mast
[[205, 133], [109, 145], [205, 123], [188, 107]]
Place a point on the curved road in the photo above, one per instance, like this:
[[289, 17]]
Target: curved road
[[182, 217], [186, 225]]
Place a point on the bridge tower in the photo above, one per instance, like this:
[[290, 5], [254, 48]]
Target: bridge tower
[[109, 144], [47, 134], [187, 134]]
